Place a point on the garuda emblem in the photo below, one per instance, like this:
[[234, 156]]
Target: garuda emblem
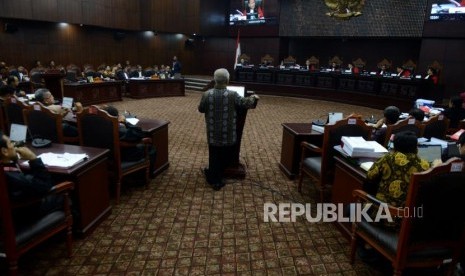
[[344, 9]]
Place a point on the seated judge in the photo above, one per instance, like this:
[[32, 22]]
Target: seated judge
[[402, 73], [44, 96], [383, 70], [253, 11], [352, 69], [431, 75], [334, 67]]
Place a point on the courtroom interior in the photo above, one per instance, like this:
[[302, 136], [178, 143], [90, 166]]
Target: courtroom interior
[[126, 150]]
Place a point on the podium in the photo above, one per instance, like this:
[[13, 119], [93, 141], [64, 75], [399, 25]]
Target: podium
[[238, 170], [54, 82]]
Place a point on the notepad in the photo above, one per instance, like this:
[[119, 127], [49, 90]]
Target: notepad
[[366, 165], [62, 160]]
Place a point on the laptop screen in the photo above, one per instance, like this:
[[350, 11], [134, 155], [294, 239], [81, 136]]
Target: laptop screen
[[239, 89], [18, 133], [67, 102], [333, 117], [430, 152]]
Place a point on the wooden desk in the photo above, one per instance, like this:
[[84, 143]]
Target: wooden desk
[[94, 93], [155, 129], [347, 177], [156, 88], [158, 131], [91, 194], [293, 135]]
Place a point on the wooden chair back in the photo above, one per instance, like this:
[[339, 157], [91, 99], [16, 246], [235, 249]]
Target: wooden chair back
[[436, 127], [409, 124], [43, 123]]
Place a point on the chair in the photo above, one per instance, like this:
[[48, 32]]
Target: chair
[[36, 79], [409, 65], [245, 57], [99, 129], [43, 123], [18, 238], [336, 60], [289, 61], [386, 63], [409, 124], [14, 112], [435, 237], [314, 63], [318, 163], [267, 60], [359, 63], [436, 127]]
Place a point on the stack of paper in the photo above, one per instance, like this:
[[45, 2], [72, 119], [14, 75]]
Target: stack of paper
[[359, 147], [62, 160]]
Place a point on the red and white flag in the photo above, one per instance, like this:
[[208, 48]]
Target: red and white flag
[[238, 50]]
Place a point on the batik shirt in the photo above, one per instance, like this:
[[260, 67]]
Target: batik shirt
[[220, 108], [394, 171]]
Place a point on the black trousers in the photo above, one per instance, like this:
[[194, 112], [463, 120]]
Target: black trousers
[[219, 158]]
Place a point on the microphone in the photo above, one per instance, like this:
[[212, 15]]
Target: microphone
[[239, 12]]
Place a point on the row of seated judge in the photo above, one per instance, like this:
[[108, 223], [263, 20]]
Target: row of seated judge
[[130, 149], [318, 163], [383, 68]]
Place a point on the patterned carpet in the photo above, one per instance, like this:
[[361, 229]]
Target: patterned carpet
[[180, 226]]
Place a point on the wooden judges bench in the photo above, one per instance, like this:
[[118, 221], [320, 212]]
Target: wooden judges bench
[[371, 91], [110, 91]]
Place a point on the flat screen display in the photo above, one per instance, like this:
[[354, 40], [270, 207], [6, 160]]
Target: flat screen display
[[447, 11], [239, 89], [253, 12]]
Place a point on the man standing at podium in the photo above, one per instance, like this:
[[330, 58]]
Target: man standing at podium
[[220, 106]]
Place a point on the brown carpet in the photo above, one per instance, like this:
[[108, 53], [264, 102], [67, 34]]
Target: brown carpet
[[180, 226]]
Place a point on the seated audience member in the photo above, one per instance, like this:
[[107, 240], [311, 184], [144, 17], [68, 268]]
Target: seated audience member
[[44, 96], [131, 133], [20, 73], [137, 73], [402, 73], [12, 84], [122, 74], [5, 93], [391, 116], [432, 76], [393, 171], [455, 112], [107, 73], [417, 113], [36, 183]]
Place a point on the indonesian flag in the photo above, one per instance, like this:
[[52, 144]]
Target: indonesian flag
[[238, 50]]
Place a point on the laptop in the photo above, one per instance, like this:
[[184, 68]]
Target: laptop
[[67, 102], [18, 133], [239, 89], [430, 152], [333, 117]]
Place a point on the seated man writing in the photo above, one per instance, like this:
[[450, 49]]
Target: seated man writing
[[44, 96]]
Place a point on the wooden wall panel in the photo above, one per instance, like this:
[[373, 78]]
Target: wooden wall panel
[[70, 11], [16, 9], [46, 10]]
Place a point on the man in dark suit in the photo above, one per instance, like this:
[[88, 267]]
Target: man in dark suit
[[253, 11], [122, 74], [176, 66], [137, 73], [12, 84], [36, 183]]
